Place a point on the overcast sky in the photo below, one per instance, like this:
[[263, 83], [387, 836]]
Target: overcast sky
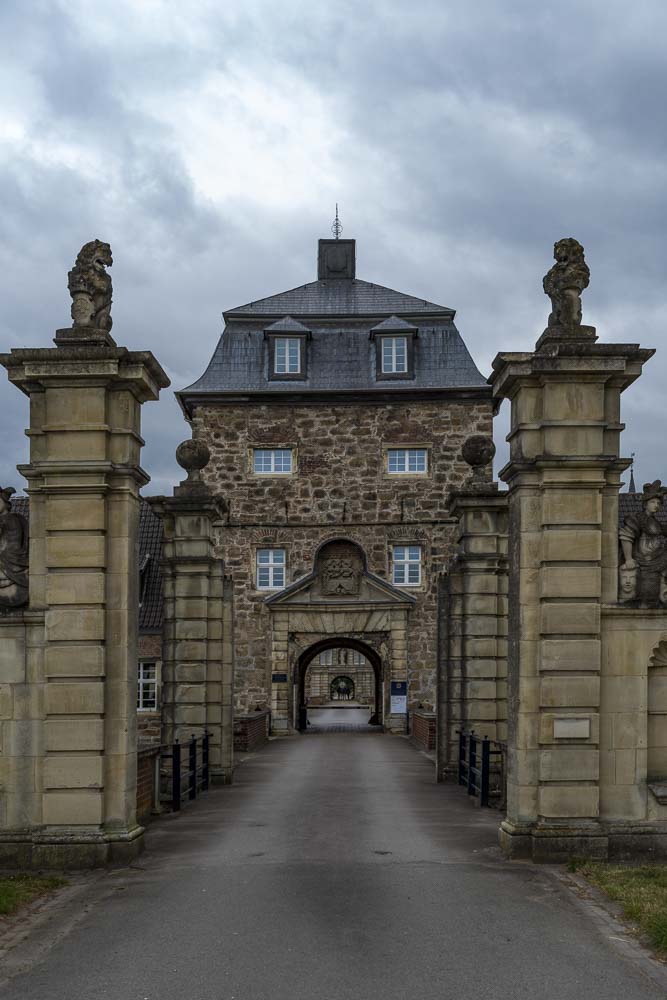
[[208, 142]]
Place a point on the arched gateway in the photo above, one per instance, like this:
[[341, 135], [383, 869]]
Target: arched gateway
[[310, 654], [339, 604]]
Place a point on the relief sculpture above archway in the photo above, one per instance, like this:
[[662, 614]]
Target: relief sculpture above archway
[[338, 603]]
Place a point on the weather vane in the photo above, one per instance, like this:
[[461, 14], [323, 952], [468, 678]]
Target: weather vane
[[632, 488], [337, 226]]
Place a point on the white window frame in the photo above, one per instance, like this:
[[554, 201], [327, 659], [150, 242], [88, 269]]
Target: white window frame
[[404, 559], [145, 683], [325, 658], [272, 454], [288, 365], [358, 658], [390, 352], [411, 460], [271, 573]]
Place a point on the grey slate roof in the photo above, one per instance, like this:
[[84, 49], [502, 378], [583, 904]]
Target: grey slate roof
[[339, 314], [341, 355], [341, 297], [150, 545], [339, 358]]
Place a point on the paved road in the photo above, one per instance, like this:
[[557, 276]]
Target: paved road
[[353, 717], [334, 869]]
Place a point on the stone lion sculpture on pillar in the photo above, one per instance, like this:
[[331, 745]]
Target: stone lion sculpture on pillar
[[565, 282], [90, 286]]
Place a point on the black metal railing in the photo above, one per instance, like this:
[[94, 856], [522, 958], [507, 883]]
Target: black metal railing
[[189, 770], [482, 767]]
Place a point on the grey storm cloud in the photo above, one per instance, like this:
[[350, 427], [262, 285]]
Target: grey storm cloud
[[209, 142]]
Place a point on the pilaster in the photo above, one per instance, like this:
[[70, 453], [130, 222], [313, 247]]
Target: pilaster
[[473, 682], [83, 479], [197, 685], [563, 478]]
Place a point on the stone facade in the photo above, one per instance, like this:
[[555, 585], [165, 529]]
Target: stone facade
[[328, 667], [340, 489]]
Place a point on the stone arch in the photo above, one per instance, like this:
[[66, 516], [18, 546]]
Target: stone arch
[[341, 642], [657, 712]]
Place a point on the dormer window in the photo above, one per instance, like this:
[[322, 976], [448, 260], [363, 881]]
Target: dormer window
[[287, 340], [287, 356], [394, 355], [395, 349]]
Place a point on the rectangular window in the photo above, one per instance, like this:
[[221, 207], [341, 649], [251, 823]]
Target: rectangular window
[[394, 355], [358, 659], [326, 657], [147, 688], [272, 461], [270, 569], [407, 461], [407, 565], [287, 357]]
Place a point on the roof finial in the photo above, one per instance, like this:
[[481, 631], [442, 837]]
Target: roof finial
[[337, 227], [632, 488]]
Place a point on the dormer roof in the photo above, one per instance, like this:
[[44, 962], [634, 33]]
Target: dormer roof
[[394, 325], [287, 325]]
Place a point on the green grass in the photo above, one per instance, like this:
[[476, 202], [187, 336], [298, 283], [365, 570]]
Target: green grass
[[17, 890], [641, 892]]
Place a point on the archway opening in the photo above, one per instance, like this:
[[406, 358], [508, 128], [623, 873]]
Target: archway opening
[[339, 673], [341, 688]]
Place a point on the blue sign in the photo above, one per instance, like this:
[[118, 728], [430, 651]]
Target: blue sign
[[399, 698]]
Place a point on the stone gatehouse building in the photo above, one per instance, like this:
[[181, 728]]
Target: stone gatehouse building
[[334, 414], [339, 506]]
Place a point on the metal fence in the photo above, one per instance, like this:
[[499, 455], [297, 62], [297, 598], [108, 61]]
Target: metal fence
[[188, 775], [482, 767]]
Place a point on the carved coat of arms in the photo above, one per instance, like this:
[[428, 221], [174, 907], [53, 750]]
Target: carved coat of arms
[[340, 576]]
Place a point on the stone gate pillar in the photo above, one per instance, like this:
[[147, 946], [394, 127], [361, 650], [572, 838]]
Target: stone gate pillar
[[563, 477], [472, 681], [197, 689], [80, 692]]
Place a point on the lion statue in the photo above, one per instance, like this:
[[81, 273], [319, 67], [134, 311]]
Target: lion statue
[[565, 282], [90, 286]]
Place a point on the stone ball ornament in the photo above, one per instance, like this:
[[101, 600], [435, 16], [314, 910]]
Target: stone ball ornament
[[478, 450], [193, 456]]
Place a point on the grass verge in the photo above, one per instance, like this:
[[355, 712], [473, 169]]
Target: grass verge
[[17, 890], [641, 892]]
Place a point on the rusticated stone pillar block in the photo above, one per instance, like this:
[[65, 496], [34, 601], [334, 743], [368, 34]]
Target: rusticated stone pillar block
[[563, 477], [198, 619], [80, 696], [473, 672]]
